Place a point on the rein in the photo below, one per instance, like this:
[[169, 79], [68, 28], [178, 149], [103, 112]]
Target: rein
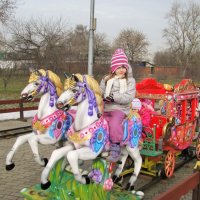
[[85, 90], [47, 84]]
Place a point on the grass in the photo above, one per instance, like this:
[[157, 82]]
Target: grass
[[65, 187], [18, 82], [14, 87]]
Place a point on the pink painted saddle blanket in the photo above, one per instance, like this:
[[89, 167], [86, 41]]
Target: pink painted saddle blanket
[[57, 123]]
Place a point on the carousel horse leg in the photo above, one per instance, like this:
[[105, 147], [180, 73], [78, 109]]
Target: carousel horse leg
[[84, 153], [55, 156], [124, 155], [135, 155], [19, 141], [33, 142]]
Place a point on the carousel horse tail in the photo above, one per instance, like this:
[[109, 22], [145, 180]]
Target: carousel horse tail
[[115, 152]]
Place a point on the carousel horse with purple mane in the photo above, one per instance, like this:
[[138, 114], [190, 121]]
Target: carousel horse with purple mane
[[49, 124], [90, 132]]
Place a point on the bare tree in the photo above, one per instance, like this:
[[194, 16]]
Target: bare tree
[[41, 42], [134, 42], [6, 9], [164, 58], [102, 49], [7, 69], [183, 32], [78, 39]]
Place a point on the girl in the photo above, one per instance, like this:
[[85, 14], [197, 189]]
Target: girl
[[118, 89]]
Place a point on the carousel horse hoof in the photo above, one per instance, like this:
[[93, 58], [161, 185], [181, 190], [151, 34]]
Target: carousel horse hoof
[[10, 167], [129, 187], [117, 179], [119, 162], [114, 178], [45, 162], [46, 185], [87, 179], [140, 194]]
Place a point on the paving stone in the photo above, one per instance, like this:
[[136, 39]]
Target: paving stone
[[27, 173]]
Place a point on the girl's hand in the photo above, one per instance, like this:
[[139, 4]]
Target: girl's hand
[[108, 99]]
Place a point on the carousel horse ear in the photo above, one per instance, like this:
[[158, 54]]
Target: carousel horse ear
[[75, 77], [35, 70], [38, 72], [66, 75], [32, 69], [47, 73]]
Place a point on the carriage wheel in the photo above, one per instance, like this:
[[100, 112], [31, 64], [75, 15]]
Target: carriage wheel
[[198, 148], [169, 164]]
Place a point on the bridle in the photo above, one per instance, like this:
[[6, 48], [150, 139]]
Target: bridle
[[47, 84], [85, 91]]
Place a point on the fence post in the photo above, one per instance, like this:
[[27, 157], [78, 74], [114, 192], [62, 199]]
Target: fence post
[[21, 111]]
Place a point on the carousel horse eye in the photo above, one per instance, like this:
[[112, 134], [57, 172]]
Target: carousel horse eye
[[36, 83]]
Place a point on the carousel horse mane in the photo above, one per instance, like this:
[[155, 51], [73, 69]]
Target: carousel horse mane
[[49, 123], [92, 83], [52, 76], [90, 133]]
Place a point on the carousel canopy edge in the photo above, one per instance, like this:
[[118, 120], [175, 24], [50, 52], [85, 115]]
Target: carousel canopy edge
[[150, 88]]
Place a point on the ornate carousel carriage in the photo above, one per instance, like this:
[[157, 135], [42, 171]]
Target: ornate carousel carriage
[[173, 127]]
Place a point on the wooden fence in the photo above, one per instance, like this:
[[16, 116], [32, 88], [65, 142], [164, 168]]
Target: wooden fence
[[7, 106], [191, 183]]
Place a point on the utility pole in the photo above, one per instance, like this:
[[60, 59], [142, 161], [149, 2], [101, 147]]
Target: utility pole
[[91, 38]]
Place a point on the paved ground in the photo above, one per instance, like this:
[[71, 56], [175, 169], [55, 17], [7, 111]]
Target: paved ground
[[9, 124], [27, 172], [166, 184]]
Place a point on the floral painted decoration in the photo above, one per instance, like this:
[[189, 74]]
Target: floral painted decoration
[[108, 184], [96, 175]]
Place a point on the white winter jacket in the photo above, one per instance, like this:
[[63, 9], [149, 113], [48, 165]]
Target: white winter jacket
[[121, 100]]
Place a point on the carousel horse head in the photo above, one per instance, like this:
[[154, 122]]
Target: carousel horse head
[[41, 82], [79, 88], [90, 133], [49, 124]]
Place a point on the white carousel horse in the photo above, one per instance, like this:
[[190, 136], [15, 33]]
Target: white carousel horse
[[90, 132], [49, 124]]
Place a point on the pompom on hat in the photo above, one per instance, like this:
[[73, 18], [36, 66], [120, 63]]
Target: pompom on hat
[[119, 58], [136, 104]]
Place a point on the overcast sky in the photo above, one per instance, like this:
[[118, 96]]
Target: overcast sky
[[147, 16]]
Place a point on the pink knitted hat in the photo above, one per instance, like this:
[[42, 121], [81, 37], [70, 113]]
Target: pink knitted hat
[[119, 58], [136, 104]]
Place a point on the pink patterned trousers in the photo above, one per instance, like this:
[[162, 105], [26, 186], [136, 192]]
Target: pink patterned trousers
[[115, 120]]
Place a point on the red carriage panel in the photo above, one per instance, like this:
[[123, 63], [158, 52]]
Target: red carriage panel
[[172, 123], [174, 113]]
